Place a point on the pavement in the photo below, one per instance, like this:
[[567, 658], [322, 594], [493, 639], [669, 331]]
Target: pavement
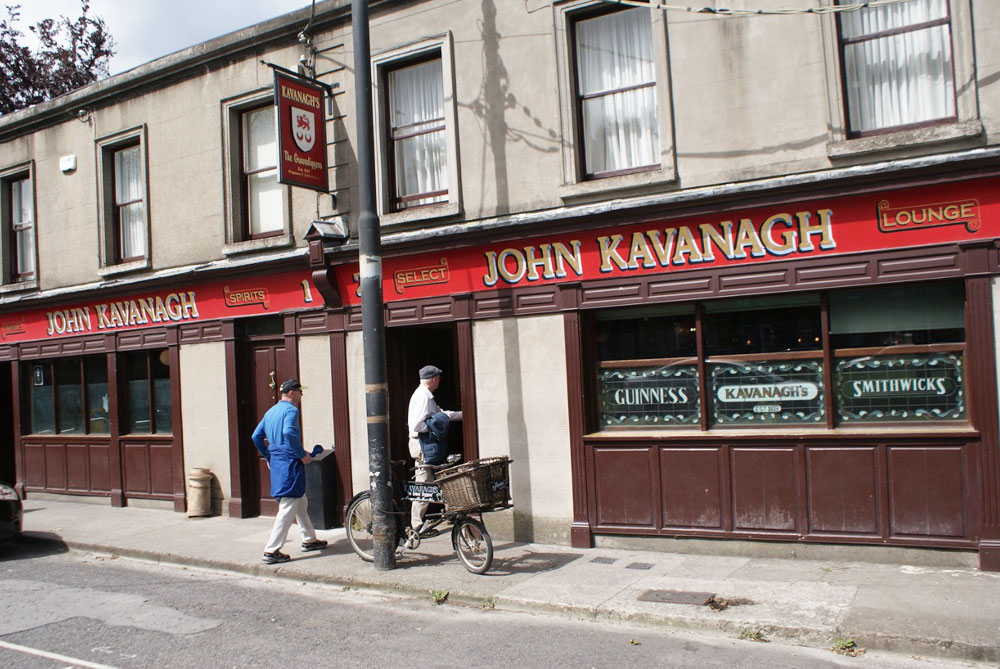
[[935, 612]]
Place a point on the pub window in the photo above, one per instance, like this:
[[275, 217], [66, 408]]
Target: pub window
[[147, 380], [262, 196], [899, 353], [647, 371], [897, 66], [615, 78], [418, 153], [68, 396], [765, 360]]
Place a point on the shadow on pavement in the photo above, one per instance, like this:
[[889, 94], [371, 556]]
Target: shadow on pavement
[[532, 563], [27, 547]]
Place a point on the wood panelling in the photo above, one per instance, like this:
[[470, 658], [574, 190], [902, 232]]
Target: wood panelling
[[625, 486], [765, 489], [842, 490], [692, 485], [902, 491], [67, 465], [148, 469], [927, 491]]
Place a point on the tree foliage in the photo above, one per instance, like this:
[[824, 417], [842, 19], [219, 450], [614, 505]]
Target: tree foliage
[[71, 53]]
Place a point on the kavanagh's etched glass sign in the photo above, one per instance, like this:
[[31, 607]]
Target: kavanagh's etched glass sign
[[649, 396], [755, 393], [916, 387]]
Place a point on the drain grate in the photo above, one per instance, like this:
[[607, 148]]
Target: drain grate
[[604, 560], [677, 597], [640, 565]]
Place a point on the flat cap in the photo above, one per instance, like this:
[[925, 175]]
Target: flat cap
[[429, 372]]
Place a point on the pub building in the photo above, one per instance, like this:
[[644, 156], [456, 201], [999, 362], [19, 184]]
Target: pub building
[[807, 366], [763, 321]]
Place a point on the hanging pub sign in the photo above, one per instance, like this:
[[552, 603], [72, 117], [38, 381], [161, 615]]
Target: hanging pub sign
[[301, 132], [901, 387]]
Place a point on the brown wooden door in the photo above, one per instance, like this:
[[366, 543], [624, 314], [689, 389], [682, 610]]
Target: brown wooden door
[[268, 367]]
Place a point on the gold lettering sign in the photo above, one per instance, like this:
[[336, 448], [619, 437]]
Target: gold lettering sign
[[420, 276], [246, 297], [901, 219]]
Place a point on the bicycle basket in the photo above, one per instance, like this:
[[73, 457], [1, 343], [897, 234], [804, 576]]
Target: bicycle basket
[[477, 485]]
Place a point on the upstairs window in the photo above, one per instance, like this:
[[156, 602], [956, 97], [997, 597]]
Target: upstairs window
[[263, 208], [897, 66], [19, 229], [418, 152], [129, 209], [616, 93], [124, 201]]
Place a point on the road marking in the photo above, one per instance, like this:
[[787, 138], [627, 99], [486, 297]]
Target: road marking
[[53, 656]]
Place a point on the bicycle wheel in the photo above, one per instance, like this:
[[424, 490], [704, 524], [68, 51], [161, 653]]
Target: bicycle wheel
[[358, 523], [473, 545]]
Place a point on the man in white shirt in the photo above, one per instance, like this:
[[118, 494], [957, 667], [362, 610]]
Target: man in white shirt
[[422, 407]]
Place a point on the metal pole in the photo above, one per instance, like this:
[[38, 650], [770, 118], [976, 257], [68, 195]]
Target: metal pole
[[373, 327]]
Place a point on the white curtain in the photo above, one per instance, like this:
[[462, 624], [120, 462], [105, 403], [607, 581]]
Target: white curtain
[[616, 75], [128, 199], [421, 157], [260, 159], [22, 208], [898, 79]]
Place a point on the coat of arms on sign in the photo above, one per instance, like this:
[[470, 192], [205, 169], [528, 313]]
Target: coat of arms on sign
[[303, 128]]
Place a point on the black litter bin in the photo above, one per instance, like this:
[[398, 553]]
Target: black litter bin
[[321, 491]]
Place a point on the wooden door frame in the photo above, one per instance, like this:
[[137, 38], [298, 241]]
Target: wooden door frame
[[242, 503]]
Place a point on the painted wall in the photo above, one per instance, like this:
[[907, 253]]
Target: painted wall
[[314, 375], [205, 407], [523, 413]]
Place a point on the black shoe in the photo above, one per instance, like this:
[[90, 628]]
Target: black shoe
[[275, 558], [315, 545]]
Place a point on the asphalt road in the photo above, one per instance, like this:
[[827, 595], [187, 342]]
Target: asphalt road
[[60, 609]]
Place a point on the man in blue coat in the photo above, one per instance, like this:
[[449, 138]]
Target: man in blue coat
[[286, 459]]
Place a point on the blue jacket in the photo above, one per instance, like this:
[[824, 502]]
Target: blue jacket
[[283, 451], [434, 442]]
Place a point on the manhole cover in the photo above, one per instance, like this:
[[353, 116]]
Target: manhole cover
[[676, 597], [640, 565], [604, 560]]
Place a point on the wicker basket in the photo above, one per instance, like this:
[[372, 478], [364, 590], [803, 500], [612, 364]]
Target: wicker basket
[[477, 485]]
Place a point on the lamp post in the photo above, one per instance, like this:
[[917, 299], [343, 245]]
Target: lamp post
[[373, 327]]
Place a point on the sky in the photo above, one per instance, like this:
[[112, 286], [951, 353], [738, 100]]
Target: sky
[[145, 30]]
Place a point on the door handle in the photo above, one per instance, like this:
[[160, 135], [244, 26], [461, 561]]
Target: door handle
[[272, 384]]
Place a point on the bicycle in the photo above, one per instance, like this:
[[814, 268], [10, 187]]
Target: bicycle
[[465, 491]]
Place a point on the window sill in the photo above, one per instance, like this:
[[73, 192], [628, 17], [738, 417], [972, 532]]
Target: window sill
[[256, 245], [894, 141], [618, 184], [959, 429], [425, 213], [18, 287], [124, 268]]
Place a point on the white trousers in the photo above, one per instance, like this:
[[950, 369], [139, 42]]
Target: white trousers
[[289, 509], [418, 509]]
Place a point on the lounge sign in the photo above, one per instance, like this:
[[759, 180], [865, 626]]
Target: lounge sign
[[301, 133]]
